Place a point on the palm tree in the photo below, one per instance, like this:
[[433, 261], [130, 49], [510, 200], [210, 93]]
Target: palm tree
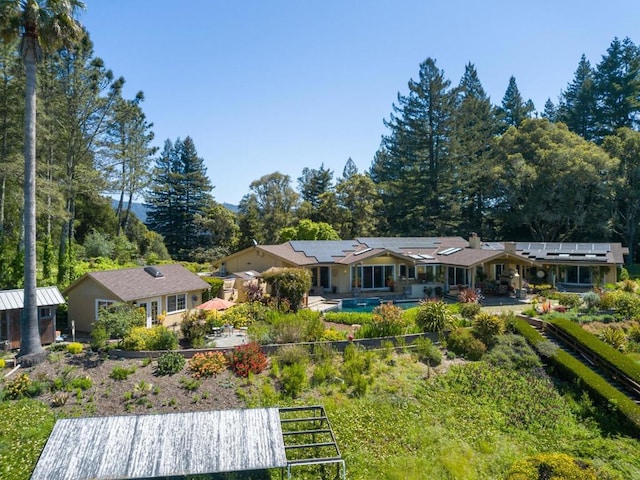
[[40, 25]]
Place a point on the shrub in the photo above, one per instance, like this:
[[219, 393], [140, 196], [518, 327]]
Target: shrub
[[99, 336], [434, 317], [323, 371], [387, 320], [194, 327], [294, 379], [569, 300], [333, 335], [246, 359], [512, 352], [74, 348], [290, 354], [18, 387], [83, 383], [468, 295], [591, 300], [427, 352], [190, 384], [289, 284], [2, 363], [463, 343], [488, 327], [119, 318], [554, 465], [627, 306], [469, 310], [121, 373], [207, 364], [347, 318], [170, 363], [157, 337], [614, 336]]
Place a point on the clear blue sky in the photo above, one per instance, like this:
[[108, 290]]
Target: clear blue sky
[[268, 85]]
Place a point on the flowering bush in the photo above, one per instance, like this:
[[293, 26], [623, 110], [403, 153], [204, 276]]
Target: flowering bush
[[247, 358], [207, 364]]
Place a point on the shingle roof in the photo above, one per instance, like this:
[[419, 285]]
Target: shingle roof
[[439, 250], [45, 296], [135, 283]]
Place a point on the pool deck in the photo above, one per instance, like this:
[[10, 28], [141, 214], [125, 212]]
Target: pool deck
[[490, 303]]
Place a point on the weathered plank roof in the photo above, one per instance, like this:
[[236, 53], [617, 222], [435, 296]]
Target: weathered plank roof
[[45, 296], [165, 445]]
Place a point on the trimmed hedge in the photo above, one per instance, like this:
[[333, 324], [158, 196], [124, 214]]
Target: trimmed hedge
[[597, 346], [571, 368], [348, 318]]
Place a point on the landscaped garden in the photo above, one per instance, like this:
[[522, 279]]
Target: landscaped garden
[[477, 403]]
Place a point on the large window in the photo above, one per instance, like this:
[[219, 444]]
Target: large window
[[407, 272], [371, 276], [578, 275], [457, 276], [176, 303]]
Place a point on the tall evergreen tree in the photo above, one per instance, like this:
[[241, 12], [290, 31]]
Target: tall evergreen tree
[[476, 125], [625, 145], [350, 168], [312, 184], [579, 104], [40, 25], [88, 90], [550, 111], [618, 87], [412, 169], [514, 108], [180, 192], [128, 153]]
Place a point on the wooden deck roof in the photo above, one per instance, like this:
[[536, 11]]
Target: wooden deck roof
[[164, 445]]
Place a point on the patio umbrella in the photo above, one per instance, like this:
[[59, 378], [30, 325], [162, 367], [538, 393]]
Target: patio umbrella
[[216, 304]]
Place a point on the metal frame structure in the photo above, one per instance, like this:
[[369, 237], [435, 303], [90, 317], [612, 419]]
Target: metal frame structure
[[309, 439]]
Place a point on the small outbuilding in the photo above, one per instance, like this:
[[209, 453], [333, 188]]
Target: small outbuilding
[[11, 308], [177, 445], [165, 292]]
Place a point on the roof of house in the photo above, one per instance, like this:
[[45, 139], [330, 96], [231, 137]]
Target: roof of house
[[45, 296], [163, 445], [455, 251], [135, 283]]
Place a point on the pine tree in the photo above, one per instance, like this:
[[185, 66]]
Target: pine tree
[[180, 192], [476, 125], [617, 79], [412, 168], [578, 104], [550, 111], [514, 108]]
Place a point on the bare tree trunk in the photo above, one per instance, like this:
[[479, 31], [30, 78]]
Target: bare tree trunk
[[31, 351]]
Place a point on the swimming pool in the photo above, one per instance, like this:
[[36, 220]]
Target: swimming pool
[[368, 304]]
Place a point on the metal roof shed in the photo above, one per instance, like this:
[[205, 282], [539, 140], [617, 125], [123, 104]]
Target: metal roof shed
[[163, 445]]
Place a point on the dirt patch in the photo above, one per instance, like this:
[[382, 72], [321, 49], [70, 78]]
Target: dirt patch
[[142, 392]]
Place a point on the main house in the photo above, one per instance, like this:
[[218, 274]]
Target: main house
[[416, 265], [164, 291]]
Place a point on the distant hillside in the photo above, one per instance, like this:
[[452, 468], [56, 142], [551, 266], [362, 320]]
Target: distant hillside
[[141, 212]]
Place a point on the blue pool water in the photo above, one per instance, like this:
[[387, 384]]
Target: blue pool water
[[368, 304]]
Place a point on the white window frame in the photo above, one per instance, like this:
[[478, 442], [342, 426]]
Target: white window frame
[[184, 300], [102, 302]]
